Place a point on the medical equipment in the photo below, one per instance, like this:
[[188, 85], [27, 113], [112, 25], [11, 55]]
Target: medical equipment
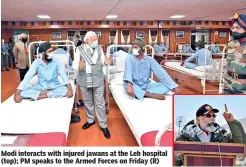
[[38, 123], [213, 72], [143, 117]]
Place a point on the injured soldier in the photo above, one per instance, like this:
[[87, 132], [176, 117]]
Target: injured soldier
[[138, 67], [199, 57], [47, 71]]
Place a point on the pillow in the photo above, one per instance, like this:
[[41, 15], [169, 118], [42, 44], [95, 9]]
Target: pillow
[[120, 63], [119, 78], [63, 58], [112, 69]]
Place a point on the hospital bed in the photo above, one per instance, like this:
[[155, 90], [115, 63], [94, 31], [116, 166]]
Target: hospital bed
[[213, 72], [38, 123], [145, 118]]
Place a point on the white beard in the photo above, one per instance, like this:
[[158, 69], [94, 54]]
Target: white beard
[[207, 127]]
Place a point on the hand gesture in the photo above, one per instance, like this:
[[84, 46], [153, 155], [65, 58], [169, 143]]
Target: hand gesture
[[81, 64], [108, 60]]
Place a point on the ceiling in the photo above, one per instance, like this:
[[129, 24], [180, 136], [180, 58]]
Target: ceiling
[[27, 10]]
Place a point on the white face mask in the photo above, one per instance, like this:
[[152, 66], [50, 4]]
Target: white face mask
[[197, 48], [50, 56], [2, 41], [94, 44], [135, 52]]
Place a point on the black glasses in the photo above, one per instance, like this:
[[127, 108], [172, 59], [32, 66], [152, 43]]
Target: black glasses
[[210, 115]]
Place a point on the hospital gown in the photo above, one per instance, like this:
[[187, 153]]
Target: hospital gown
[[187, 49], [62, 51], [47, 80], [160, 49], [199, 56], [138, 73], [215, 49]]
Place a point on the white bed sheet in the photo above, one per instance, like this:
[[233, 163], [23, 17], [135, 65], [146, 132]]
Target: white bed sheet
[[142, 116], [177, 66], [42, 116]]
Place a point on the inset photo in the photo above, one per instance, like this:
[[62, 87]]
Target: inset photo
[[209, 130]]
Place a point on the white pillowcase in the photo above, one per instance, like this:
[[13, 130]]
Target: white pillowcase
[[119, 78], [120, 63]]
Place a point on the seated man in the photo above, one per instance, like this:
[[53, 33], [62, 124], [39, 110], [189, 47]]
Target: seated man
[[48, 85], [137, 75], [205, 129], [187, 48], [160, 48], [63, 50], [199, 56], [120, 53], [215, 48]]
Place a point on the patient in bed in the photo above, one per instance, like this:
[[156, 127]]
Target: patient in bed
[[47, 71], [198, 57], [138, 67]]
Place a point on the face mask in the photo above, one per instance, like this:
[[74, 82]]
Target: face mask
[[48, 57], [135, 52], [197, 48], [93, 44], [3, 41], [24, 40], [237, 35]]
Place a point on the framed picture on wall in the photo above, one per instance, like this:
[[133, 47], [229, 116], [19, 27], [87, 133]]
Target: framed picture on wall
[[140, 34], [222, 34], [180, 34], [56, 35]]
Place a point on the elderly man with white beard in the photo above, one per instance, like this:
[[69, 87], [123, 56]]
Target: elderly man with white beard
[[205, 129]]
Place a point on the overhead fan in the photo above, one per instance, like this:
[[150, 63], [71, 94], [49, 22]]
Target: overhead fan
[[180, 122]]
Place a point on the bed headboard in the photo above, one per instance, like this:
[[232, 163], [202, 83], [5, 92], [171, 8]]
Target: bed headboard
[[63, 57], [120, 62]]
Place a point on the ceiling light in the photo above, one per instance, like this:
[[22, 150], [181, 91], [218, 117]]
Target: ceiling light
[[111, 16], [177, 16], [43, 16]]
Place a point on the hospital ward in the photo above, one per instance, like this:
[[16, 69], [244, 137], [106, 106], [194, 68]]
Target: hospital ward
[[104, 72]]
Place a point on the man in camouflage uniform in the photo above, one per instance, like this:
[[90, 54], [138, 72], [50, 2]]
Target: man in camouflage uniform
[[235, 77]]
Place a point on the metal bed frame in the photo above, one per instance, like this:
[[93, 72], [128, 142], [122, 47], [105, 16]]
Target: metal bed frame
[[68, 43], [107, 68], [203, 78]]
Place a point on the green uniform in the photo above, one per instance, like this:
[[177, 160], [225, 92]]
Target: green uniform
[[235, 76]]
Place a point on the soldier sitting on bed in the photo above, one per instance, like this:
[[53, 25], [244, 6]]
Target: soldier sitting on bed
[[137, 75], [48, 85], [198, 56]]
